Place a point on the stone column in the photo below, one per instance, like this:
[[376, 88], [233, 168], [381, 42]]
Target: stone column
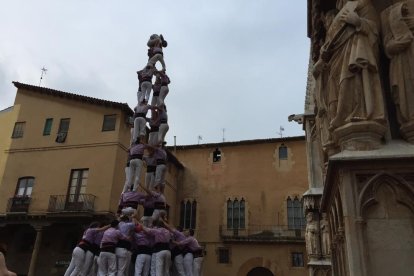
[[32, 267]]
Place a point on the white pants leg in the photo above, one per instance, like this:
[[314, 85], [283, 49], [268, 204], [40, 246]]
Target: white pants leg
[[197, 265], [76, 264], [154, 100], [123, 258], [139, 128], [132, 135], [146, 90], [188, 264], [135, 167], [127, 180], [107, 264], [162, 132], [142, 265], [179, 265], [153, 138], [160, 175], [163, 93], [139, 96], [149, 180], [94, 269], [163, 261], [155, 58], [153, 264], [88, 262]]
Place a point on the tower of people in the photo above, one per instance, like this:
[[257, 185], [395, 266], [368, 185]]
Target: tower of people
[[132, 244], [147, 139]]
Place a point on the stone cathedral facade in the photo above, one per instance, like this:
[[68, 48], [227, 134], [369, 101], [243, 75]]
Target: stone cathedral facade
[[359, 123]]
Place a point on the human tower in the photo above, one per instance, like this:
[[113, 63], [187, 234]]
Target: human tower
[[147, 245]]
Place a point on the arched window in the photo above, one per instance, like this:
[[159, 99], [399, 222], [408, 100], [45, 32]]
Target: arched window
[[283, 152], [216, 155], [236, 217], [24, 186], [188, 213], [296, 217]]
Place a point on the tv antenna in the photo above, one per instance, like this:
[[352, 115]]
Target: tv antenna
[[44, 70], [199, 138], [224, 130], [281, 129]]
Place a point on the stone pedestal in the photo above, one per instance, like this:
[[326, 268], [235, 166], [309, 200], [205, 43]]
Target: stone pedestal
[[407, 131], [365, 135], [369, 199]]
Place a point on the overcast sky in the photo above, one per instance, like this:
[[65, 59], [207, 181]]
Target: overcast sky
[[234, 64]]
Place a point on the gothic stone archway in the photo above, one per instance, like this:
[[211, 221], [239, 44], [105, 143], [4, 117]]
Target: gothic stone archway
[[258, 263], [260, 271]]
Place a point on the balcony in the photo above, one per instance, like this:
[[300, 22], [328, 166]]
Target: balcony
[[18, 204], [71, 203], [263, 233]]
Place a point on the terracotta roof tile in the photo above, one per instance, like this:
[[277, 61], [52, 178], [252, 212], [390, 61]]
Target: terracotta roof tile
[[44, 90]]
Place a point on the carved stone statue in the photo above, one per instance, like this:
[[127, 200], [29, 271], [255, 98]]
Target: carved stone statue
[[326, 243], [398, 34], [320, 73], [351, 50], [312, 236]]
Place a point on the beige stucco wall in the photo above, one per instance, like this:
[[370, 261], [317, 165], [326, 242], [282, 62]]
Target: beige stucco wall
[[251, 171], [7, 119], [86, 146]]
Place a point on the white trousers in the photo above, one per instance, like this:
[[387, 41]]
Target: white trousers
[[88, 263], [146, 91], [139, 96], [179, 265], [153, 138], [107, 264], [154, 100], [94, 269], [149, 180], [135, 167], [146, 221], [197, 266], [139, 128], [160, 176], [143, 265], [153, 264], [155, 58], [188, 264], [76, 263], [123, 259], [163, 263], [131, 140], [162, 132], [163, 93], [127, 184]]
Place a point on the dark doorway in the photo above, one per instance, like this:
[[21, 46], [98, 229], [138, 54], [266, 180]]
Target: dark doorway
[[260, 271]]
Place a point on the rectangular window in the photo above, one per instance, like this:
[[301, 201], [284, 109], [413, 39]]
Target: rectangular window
[[236, 217], [63, 130], [297, 259], [48, 126], [188, 212], [223, 255], [109, 122], [18, 129], [77, 185], [25, 186], [296, 217], [64, 125]]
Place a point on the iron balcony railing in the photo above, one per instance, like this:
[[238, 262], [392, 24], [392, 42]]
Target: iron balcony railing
[[18, 204], [275, 233], [72, 203]]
